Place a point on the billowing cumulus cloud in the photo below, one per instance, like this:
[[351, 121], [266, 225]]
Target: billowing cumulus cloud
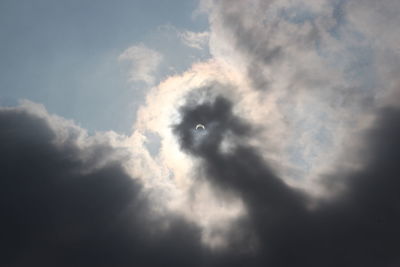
[[71, 202], [296, 165], [67, 200], [287, 227], [305, 80]]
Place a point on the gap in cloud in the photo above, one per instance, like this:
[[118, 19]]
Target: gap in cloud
[[153, 143]]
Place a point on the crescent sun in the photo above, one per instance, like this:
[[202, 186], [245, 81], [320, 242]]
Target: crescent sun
[[198, 126]]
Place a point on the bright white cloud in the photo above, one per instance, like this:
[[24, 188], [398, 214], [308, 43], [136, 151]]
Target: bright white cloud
[[143, 63], [172, 172]]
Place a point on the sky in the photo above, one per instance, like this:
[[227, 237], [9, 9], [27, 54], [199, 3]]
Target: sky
[[296, 165], [64, 54]]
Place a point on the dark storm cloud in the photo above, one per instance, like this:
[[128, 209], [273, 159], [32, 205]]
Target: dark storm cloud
[[62, 205], [358, 228], [60, 208], [216, 116]]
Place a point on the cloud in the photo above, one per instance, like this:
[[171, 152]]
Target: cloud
[[197, 40], [311, 75], [358, 227], [288, 96], [296, 167], [143, 63], [68, 200], [71, 201], [171, 170]]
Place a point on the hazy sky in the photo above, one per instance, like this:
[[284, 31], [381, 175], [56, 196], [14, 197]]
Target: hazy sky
[[101, 163]]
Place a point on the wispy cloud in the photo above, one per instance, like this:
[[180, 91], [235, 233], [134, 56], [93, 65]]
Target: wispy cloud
[[143, 63], [197, 40]]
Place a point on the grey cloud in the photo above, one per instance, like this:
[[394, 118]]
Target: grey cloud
[[358, 228], [217, 118], [65, 205], [321, 65], [58, 209], [261, 34]]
